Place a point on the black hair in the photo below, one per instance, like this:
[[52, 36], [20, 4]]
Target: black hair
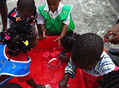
[[18, 37], [29, 5], [87, 45], [69, 39], [110, 80]]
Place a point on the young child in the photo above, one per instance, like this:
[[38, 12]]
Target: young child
[[67, 42], [55, 18], [87, 54], [3, 12], [110, 80], [25, 10], [14, 60]]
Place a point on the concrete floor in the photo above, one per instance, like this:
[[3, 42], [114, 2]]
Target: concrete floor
[[97, 16]]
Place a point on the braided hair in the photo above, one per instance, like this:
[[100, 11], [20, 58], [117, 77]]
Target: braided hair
[[110, 80], [18, 37], [69, 39]]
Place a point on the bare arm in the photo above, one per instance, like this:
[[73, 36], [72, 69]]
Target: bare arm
[[63, 82], [64, 29], [4, 11], [41, 30], [32, 83]]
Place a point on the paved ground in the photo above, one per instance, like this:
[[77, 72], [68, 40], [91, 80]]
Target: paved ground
[[97, 16]]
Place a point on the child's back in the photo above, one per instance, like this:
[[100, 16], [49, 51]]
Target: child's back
[[19, 39], [88, 54]]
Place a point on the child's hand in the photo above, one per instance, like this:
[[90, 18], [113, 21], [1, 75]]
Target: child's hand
[[64, 58], [63, 84], [59, 41], [44, 34], [45, 37], [114, 39], [40, 86], [40, 37]]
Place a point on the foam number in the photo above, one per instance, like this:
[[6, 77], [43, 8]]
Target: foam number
[[55, 53], [46, 54]]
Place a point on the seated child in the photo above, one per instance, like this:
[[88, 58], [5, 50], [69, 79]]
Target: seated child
[[67, 42], [110, 80], [87, 54], [55, 18], [14, 60]]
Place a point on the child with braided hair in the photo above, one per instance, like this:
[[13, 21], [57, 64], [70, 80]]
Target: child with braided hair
[[14, 61], [67, 42], [110, 80]]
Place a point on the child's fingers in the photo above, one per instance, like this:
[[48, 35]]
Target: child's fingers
[[57, 39], [59, 43], [45, 37]]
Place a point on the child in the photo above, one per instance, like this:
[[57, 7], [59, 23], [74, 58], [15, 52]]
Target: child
[[3, 12], [67, 42], [14, 60], [26, 10], [87, 54], [110, 80], [55, 18]]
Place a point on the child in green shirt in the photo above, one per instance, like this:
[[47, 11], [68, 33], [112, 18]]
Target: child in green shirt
[[55, 18]]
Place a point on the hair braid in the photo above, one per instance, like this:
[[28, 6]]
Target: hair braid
[[110, 80], [18, 38]]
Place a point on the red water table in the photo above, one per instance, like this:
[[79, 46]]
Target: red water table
[[46, 68]]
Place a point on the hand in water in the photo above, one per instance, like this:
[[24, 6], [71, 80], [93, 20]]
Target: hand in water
[[63, 84], [41, 86]]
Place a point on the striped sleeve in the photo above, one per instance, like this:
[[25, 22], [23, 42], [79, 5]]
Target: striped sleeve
[[70, 68]]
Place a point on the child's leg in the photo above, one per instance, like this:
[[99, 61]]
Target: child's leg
[[3, 11]]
